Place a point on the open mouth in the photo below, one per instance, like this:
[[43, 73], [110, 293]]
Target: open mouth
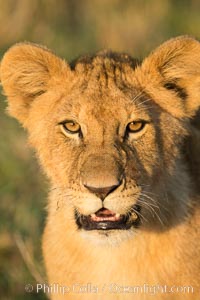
[[105, 219]]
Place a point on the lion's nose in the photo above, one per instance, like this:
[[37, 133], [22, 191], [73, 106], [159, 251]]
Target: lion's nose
[[102, 192]]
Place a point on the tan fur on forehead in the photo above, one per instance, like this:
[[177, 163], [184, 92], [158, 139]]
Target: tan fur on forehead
[[106, 58], [105, 68]]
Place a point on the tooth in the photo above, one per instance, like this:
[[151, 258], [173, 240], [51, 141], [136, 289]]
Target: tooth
[[134, 216]]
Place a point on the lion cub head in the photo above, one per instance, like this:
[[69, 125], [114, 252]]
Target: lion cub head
[[110, 132]]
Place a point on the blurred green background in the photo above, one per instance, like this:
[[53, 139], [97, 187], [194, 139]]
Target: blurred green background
[[70, 28]]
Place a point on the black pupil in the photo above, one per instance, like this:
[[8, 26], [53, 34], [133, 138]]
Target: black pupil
[[140, 125], [71, 126]]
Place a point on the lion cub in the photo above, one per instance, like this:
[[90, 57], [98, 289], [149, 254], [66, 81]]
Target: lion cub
[[119, 140]]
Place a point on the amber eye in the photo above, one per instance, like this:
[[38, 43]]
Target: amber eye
[[70, 127], [135, 126]]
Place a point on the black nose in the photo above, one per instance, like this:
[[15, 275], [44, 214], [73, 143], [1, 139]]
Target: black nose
[[102, 192]]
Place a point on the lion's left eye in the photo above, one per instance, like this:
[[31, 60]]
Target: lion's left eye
[[70, 127], [135, 126]]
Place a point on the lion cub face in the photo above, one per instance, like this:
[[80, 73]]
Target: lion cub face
[[109, 133]]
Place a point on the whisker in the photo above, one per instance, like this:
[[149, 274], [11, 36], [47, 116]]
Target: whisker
[[152, 204], [160, 205], [145, 101], [137, 96], [141, 109], [149, 197], [151, 210], [143, 203]]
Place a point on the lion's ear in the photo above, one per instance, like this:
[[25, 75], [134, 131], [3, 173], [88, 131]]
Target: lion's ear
[[171, 76], [27, 71]]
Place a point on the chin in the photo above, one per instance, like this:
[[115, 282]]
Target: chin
[[108, 238], [105, 227]]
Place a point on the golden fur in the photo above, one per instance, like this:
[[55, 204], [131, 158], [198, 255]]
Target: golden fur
[[157, 167]]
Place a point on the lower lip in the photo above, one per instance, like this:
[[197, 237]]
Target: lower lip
[[105, 225]]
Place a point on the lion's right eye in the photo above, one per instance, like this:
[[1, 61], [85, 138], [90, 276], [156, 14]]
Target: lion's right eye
[[70, 126], [135, 126]]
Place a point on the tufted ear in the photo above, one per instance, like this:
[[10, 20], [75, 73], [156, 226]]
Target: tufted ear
[[171, 76], [28, 71]]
